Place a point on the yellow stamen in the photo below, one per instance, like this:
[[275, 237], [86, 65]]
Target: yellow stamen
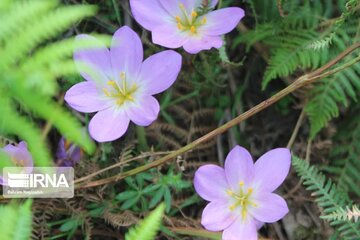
[[241, 183], [106, 92], [111, 83], [19, 163], [178, 19], [203, 21], [229, 192], [194, 14], [180, 26], [232, 207], [250, 190], [182, 7], [243, 213], [193, 29], [122, 75]]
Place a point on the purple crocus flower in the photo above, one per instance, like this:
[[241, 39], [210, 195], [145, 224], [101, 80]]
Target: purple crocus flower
[[176, 23], [123, 87], [67, 153], [21, 158], [240, 195]]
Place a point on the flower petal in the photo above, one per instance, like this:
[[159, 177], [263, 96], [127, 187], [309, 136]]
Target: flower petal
[[239, 167], [126, 52], [149, 14], [217, 216], [61, 150], [144, 112], [194, 45], [160, 71], [94, 57], [241, 230], [270, 207], [10, 150], [20, 155], [258, 224], [223, 20], [271, 169], [167, 35], [85, 97], [174, 8], [210, 182], [108, 125]]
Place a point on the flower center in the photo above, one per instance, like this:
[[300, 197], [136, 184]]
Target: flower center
[[189, 21], [18, 163], [242, 199], [121, 92]]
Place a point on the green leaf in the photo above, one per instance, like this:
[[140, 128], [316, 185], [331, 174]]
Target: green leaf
[[15, 221], [328, 196], [126, 195], [147, 228], [130, 202], [157, 197], [167, 198], [69, 225]]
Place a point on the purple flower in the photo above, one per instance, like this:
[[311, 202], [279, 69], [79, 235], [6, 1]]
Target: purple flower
[[183, 23], [67, 153], [240, 195], [21, 158], [123, 87]]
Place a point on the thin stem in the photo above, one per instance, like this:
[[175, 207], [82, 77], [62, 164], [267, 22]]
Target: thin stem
[[296, 129], [300, 82], [308, 150], [141, 136], [117, 12], [119, 164]]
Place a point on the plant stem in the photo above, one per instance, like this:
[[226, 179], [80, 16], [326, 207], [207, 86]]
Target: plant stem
[[300, 82], [117, 12], [141, 136], [296, 129]]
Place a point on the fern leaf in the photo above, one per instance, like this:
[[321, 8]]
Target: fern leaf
[[291, 54], [345, 155], [20, 13], [15, 221], [31, 80], [328, 197], [63, 121], [146, 230], [344, 214], [329, 93], [43, 28], [12, 122]]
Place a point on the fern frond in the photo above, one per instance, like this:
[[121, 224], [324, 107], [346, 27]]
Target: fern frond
[[146, 229], [43, 28], [59, 51], [323, 43], [350, 7], [328, 197], [344, 214], [291, 53], [31, 79], [328, 94], [12, 122], [62, 120], [345, 155], [15, 221], [20, 14]]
